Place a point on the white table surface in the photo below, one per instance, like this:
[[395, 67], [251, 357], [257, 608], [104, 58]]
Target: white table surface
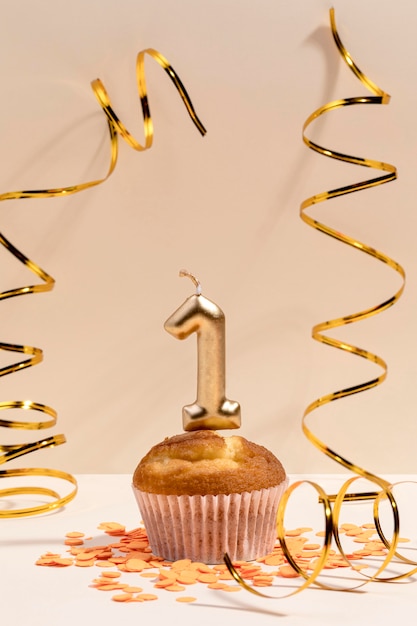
[[44, 595]]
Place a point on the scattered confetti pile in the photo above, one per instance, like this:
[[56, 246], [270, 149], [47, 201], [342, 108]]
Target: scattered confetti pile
[[129, 552]]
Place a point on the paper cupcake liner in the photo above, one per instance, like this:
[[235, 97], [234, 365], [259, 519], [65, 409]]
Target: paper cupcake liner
[[204, 528]]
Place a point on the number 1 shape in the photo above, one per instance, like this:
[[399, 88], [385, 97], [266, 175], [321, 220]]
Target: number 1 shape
[[211, 410]]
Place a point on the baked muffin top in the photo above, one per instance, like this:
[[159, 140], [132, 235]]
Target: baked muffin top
[[202, 462]]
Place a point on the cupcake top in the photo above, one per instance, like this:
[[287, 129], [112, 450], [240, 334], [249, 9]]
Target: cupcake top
[[202, 462]]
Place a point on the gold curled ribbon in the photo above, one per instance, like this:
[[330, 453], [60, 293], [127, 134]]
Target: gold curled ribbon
[[34, 354], [384, 488]]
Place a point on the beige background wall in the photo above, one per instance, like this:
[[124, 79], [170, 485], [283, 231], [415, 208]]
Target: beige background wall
[[226, 207]]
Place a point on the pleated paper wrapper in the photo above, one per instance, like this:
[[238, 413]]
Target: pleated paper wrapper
[[204, 528]]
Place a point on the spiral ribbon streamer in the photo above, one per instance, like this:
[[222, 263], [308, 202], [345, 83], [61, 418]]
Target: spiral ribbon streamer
[[384, 488], [9, 452]]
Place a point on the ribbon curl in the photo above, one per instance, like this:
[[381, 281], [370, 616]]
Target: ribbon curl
[[9, 452], [384, 488]]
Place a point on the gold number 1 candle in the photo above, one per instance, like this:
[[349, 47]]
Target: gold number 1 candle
[[211, 410]]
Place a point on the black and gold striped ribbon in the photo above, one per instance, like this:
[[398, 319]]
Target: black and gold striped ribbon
[[33, 355]]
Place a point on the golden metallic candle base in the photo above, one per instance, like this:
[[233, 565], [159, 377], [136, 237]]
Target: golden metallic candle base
[[196, 417]]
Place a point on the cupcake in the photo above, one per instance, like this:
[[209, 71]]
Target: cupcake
[[202, 495]]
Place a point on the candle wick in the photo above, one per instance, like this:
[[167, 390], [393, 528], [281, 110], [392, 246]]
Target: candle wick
[[194, 279]]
